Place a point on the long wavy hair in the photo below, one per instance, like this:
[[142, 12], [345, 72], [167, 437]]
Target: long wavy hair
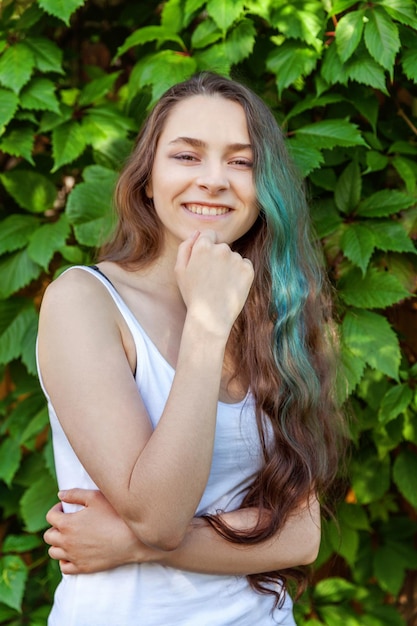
[[283, 342]]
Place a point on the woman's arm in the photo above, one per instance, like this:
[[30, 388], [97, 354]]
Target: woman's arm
[[97, 539], [154, 479]]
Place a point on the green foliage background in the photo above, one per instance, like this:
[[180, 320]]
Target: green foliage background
[[76, 80]]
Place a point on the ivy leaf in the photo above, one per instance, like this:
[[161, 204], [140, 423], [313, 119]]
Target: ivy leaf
[[160, 34], [172, 15], [349, 33], [385, 202], [15, 232], [32, 191], [370, 477], [300, 20], [358, 244], [305, 156], [191, 7], [160, 70], [394, 402], [17, 271], [10, 455], [62, 9], [19, 142], [36, 501], [224, 12], [48, 56], [351, 374], [405, 475], [391, 236], [21, 543], [47, 240], [409, 63], [205, 34], [369, 337], [330, 133], [8, 106], [290, 61], [97, 89], [348, 188], [332, 69], [12, 581], [389, 570], [237, 46], [404, 11], [365, 70], [89, 205], [16, 316], [16, 66], [375, 290], [381, 38], [39, 95], [68, 143], [406, 169]]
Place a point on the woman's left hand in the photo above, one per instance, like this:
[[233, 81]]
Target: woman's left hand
[[93, 539]]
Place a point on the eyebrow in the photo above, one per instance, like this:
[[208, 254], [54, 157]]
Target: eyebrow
[[199, 143]]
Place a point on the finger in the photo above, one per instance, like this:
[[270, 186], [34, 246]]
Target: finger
[[184, 250], [209, 234], [67, 567], [57, 554], [76, 496], [54, 514]]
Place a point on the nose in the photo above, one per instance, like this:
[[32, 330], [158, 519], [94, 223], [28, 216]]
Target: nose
[[213, 178]]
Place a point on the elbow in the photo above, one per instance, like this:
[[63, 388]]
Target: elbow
[[163, 538]]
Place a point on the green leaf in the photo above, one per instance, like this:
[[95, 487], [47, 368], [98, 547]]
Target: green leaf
[[375, 161], [48, 56], [330, 133], [13, 578], [375, 290], [47, 240], [334, 590], [10, 455], [348, 188], [62, 9], [68, 143], [352, 369], [389, 570], [403, 11], [16, 66], [391, 236], [160, 34], [385, 202], [370, 477], [409, 63], [36, 501], [16, 316], [394, 402], [382, 38], [237, 46], [205, 34], [365, 70], [290, 61], [405, 475], [173, 15], [358, 244], [305, 157], [17, 271], [20, 543], [370, 338], [160, 70], [326, 218], [15, 232], [353, 515], [8, 106], [89, 205], [407, 170], [191, 7], [39, 95], [224, 12], [31, 190], [332, 69], [97, 89], [349, 33], [19, 142]]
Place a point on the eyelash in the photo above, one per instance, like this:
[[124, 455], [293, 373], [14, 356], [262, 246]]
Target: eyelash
[[191, 158]]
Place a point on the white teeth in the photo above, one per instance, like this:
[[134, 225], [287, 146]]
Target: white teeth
[[206, 210]]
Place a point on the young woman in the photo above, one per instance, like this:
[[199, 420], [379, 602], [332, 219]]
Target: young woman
[[189, 379]]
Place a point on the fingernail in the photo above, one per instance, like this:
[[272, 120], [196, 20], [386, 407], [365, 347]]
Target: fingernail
[[62, 494]]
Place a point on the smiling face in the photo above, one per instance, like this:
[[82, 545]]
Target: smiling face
[[202, 176]]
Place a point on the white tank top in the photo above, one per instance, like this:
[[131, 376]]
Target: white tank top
[[150, 594]]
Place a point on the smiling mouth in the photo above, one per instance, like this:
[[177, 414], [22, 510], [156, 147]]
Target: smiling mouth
[[203, 209]]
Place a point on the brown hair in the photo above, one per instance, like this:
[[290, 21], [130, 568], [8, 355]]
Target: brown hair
[[283, 341]]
